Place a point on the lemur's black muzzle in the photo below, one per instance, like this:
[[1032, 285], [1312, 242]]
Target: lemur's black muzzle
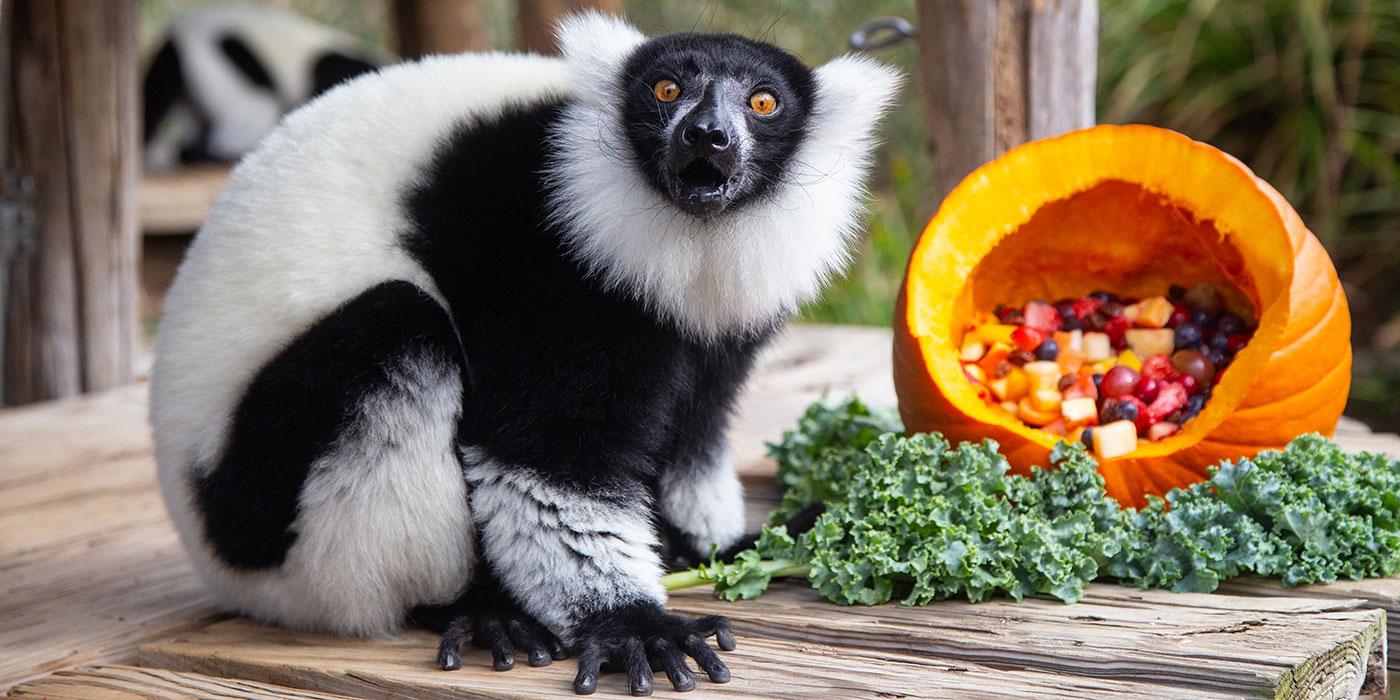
[[704, 156]]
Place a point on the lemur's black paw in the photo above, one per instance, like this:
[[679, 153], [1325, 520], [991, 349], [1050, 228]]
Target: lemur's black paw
[[503, 633], [642, 639]]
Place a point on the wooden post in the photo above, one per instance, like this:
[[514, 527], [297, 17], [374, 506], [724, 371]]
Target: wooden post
[[537, 19], [998, 73], [439, 26], [71, 316]]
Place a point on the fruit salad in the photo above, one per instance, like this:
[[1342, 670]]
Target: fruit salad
[[1105, 370]]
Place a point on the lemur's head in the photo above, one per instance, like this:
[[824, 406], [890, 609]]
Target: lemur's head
[[716, 177]]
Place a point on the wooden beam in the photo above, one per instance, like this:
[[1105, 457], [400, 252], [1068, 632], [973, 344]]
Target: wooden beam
[[538, 17], [71, 316], [998, 73], [426, 27]]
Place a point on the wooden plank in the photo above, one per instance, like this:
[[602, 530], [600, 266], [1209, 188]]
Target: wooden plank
[[762, 667], [131, 683], [176, 202], [426, 27], [536, 19]]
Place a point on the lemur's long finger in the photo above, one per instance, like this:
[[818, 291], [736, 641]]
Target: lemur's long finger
[[492, 635], [672, 661], [524, 639], [590, 661], [456, 636], [707, 659], [719, 626], [634, 661]]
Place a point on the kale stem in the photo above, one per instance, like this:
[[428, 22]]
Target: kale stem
[[691, 578]]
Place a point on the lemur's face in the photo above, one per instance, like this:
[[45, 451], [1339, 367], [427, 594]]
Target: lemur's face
[[713, 119]]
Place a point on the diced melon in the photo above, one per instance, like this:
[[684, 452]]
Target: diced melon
[[1154, 312], [1043, 374], [1070, 340], [1046, 399], [1132, 312], [972, 349], [1115, 439], [1147, 342], [1129, 359], [1011, 387], [996, 333], [1079, 411], [1097, 347], [1161, 430]]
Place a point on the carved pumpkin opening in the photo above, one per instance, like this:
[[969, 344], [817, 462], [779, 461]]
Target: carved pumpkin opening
[[1131, 210]]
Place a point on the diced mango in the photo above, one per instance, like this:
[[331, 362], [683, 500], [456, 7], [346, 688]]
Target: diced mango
[[1032, 416], [1011, 387], [1043, 374], [1115, 439], [1070, 340], [992, 333], [1129, 359], [972, 349], [1147, 342], [1154, 312], [1162, 430], [1046, 399], [1080, 411], [1070, 361], [1097, 347]]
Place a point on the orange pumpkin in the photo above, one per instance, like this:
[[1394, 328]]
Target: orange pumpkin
[[1132, 209]]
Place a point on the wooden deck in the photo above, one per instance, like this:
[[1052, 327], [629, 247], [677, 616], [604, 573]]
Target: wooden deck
[[97, 599]]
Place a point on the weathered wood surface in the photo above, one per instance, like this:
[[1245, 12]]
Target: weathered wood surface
[[425, 27], [131, 683], [70, 316], [997, 73], [176, 202], [90, 570]]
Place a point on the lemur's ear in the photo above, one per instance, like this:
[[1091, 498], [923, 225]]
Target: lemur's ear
[[595, 45], [853, 92]]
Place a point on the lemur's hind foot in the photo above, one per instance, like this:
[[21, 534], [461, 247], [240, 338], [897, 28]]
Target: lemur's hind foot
[[642, 639], [503, 632]]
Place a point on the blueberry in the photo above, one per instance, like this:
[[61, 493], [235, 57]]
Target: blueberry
[[1098, 379], [1111, 309], [1229, 324], [1127, 410], [1103, 296], [1095, 321], [1201, 318], [1065, 308], [1217, 357], [1176, 292], [1048, 351], [1219, 341], [1195, 404], [1087, 438], [1071, 323], [1187, 335]]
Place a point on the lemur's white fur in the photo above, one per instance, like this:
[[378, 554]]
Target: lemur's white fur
[[312, 218], [733, 271], [705, 500], [563, 557]]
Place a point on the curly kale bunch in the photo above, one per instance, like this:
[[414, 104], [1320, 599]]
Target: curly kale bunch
[[915, 519]]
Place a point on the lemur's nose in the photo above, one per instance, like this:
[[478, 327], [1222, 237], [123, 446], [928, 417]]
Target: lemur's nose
[[707, 134]]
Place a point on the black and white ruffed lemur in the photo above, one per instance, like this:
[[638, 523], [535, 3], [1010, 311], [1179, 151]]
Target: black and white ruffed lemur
[[548, 275]]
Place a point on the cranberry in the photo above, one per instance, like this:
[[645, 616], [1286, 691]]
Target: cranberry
[[1189, 383], [1119, 382], [1180, 315], [1117, 328], [1027, 338], [1229, 324], [1195, 364], [1187, 335], [1047, 350], [1146, 389], [1236, 343], [1176, 292]]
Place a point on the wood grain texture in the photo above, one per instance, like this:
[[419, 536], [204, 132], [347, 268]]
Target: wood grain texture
[[177, 202], [536, 19], [131, 683], [90, 570], [425, 27]]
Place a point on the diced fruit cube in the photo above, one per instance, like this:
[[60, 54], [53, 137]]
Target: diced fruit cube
[[1115, 439], [1161, 430], [1154, 312], [972, 349], [991, 333], [1147, 342], [1130, 359], [975, 373], [1070, 360], [1096, 347], [1083, 388], [1009, 407], [1070, 340], [1042, 317], [1079, 411], [1042, 375], [1031, 415], [1132, 312], [1027, 338], [1046, 399], [1158, 367], [1056, 427]]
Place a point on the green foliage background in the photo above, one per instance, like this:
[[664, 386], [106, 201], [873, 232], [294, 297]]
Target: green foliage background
[[1307, 92]]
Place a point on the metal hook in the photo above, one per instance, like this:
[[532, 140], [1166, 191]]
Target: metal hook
[[881, 32]]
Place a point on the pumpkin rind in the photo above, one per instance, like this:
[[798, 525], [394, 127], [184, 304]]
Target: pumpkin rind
[[1294, 375]]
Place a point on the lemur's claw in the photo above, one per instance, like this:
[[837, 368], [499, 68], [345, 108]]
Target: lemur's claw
[[641, 640], [502, 633]]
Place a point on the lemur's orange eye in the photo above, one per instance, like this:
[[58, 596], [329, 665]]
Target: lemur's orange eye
[[666, 90], [763, 102]]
